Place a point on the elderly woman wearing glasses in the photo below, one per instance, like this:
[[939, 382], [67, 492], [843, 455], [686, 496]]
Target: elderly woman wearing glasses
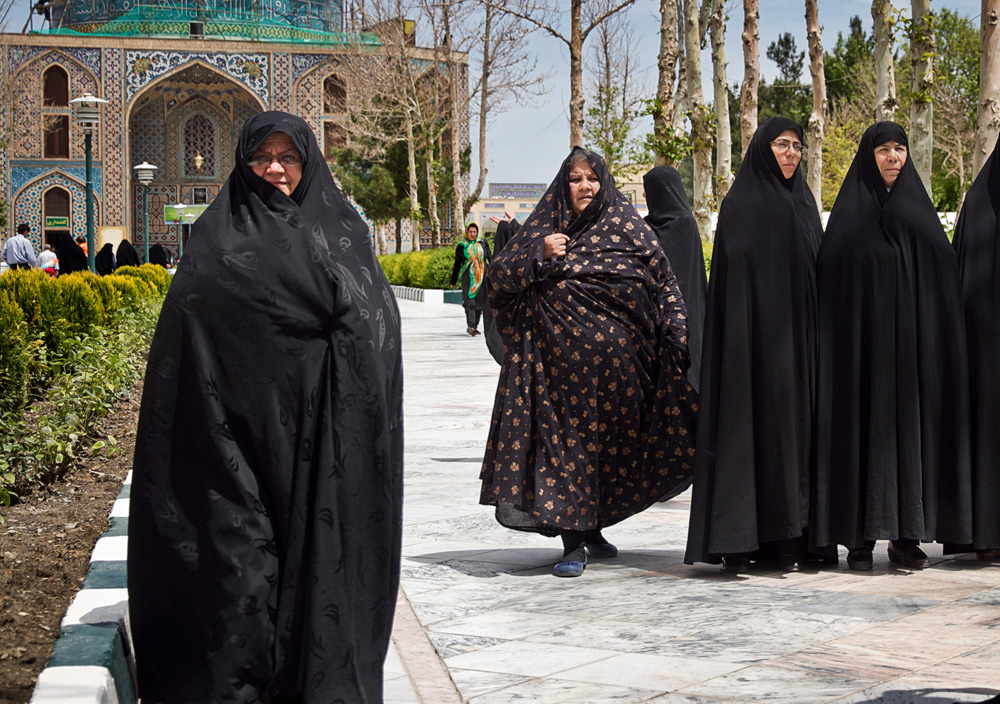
[[754, 449]]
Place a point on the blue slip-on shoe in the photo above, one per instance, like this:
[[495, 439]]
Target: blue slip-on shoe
[[573, 568]]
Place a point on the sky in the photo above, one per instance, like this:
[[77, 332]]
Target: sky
[[527, 145]]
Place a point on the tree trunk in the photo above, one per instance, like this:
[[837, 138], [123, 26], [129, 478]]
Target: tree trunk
[[575, 75], [817, 119], [379, 232], [885, 72], [701, 131], [988, 113], [483, 104], [723, 134], [921, 84], [399, 235], [682, 103], [454, 113], [411, 160], [751, 74], [432, 199], [663, 118]]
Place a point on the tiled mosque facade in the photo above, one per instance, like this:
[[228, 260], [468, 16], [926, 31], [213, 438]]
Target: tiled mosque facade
[[175, 102]]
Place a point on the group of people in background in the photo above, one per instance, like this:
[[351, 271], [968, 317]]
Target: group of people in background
[[822, 389], [64, 255]]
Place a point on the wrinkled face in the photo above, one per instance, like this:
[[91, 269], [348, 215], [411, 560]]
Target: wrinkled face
[[471, 232], [889, 158], [787, 150], [583, 185], [278, 162]]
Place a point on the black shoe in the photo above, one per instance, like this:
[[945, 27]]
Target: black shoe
[[789, 563], [908, 556], [860, 558], [736, 562]]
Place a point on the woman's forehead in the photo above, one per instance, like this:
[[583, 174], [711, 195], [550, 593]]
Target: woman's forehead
[[277, 140]]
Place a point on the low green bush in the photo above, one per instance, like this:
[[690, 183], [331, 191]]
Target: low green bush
[[82, 309], [428, 268], [15, 357], [153, 275], [111, 298], [437, 273]]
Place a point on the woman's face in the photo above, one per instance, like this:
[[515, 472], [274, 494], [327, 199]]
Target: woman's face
[[890, 158], [278, 162], [471, 232], [583, 185], [787, 150]]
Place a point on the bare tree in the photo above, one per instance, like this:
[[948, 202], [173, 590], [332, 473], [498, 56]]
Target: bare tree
[[817, 119], [751, 73], [921, 86], [885, 71], [585, 16], [988, 112], [723, 134], [701, 131], [663, 109]]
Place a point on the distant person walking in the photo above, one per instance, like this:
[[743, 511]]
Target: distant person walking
[[48, 261], [18, 251], [472, 255], [507, 227], [104, 261], [126, 254], [71, 255]]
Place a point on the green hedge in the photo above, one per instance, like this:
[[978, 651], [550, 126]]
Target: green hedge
[[69, 347]]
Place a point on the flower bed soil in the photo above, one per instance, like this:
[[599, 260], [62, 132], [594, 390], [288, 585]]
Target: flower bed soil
[[45, 545]]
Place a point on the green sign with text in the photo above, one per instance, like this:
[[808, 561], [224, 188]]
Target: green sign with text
[[57, 222]]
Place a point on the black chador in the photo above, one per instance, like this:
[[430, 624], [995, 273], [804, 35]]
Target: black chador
[[893, 397], [754, 457], [671, 219], [977, 242], [264, 536]]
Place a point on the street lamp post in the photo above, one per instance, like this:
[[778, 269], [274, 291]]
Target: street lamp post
[[144, 172], [88, 115]]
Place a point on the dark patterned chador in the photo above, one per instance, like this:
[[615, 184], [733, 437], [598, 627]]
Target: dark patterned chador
[[264, 535], [593, 417]]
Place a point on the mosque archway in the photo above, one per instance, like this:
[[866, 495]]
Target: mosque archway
[[187, 124]]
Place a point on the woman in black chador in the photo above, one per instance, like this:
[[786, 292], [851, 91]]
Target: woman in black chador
[[893, 397], [594, 417], [671, 219], [506, 227], [126, 255], [472, 255], [104, 261], [264, 537], [977, 242], [758, 370]]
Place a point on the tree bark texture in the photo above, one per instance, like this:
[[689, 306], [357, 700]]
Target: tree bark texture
[[484, 94], [663, 119], [454, 76], [817, 118], [701, 131], [411, 162], [432, 202], [988, 113], [921, 85], [723, 133], [576, 75], [751, 73], [885, 71], [682, 104]]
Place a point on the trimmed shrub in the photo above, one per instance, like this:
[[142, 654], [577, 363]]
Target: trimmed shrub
[[437, 273], [15, 357], [82, 309], [428, 268], [132, 289], [418, 265], [110, 297], [155, 276]]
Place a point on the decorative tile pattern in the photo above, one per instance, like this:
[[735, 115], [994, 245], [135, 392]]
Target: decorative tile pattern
[[305, 62], [142, 67], [20, 175], [114, 139], [281, 80], [28, 203]]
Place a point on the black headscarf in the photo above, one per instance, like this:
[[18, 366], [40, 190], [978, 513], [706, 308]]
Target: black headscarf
[[977, 243], [264, 537], [594, 417], [755, 423], [71, 255], [505, 230], [671, 219], [104, 261], [158, 255], [892, 413], [127, 256]]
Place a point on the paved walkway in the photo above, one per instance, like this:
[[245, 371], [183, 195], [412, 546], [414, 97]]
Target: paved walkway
[[643, 627]]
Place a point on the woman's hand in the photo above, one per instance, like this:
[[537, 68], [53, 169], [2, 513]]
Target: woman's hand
[[555, 245]]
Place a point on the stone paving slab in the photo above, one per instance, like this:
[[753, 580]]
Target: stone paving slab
[[644, 627]]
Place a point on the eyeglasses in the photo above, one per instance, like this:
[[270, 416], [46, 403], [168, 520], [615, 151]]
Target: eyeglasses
[[784, 145], [264, 160]]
